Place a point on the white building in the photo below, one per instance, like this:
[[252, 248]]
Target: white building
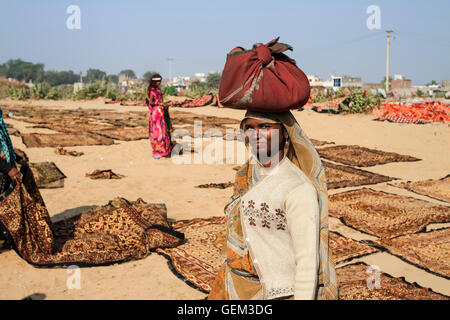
[[336, 82], [314, 81]]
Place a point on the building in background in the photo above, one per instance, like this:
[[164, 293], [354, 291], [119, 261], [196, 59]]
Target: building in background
[[336, 82], [314, 81], [128, 84], [445, 85], [400, 82]]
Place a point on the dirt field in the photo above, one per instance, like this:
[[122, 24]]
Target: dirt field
[[162, 181]]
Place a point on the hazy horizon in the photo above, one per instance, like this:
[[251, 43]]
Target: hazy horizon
[[328, 37]]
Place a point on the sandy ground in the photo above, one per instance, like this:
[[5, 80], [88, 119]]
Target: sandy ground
[[162, 181]]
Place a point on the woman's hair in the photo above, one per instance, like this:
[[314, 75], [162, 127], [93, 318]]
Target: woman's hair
[[151, 84]]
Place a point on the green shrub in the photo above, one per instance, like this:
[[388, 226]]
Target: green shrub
[[320, 97], [40, 90], [112, 92], [18, 93], [197, 89], [92, 91], [169, 91], [360, 101]]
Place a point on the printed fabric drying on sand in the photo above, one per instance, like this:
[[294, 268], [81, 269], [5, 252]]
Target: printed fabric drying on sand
[[92, 238]]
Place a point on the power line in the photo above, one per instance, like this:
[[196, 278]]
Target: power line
[[346, 42], [431, 38]]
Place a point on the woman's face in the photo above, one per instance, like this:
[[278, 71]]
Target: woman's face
[[158, 83], [264, 138]]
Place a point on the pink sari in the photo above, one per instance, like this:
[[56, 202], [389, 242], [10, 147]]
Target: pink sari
[[157, 128]]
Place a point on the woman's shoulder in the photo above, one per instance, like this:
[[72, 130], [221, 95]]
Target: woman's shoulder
[[292, 173]]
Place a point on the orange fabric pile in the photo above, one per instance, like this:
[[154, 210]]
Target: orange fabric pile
[[200, 102], [431, 111]]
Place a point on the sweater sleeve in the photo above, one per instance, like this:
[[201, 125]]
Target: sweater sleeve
[[302, 214]]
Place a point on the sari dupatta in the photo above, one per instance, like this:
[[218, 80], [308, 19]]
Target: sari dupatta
[[6, 147], [302, 153]]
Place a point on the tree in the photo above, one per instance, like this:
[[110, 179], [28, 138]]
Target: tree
[[148, 75], [95, 74], [56, 78], [383, 82], [112, 78], [432, 83], [22, 70], [3, 70], [129, 73], [419, 93], [213, 80]]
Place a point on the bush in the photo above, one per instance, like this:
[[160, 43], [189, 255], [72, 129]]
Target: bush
[[440, 94], [40, 90], [419, 93], [65, 91], [320, 97], [112, 92], [169, 91], [197, 89], [18, 93], [360, 101], [92, 91]]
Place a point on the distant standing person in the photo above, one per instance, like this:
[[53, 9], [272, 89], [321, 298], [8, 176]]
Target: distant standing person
[[159, 126]]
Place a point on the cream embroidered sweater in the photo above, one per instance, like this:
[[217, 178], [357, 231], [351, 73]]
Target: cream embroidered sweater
[[280, 221]]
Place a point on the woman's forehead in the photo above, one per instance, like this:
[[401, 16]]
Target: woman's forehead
[[256, 122]]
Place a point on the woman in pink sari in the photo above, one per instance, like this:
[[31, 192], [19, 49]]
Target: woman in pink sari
[[159, 120]]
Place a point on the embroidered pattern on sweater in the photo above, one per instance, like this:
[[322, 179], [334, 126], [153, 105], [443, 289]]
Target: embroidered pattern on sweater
[[280, 292], [262, 216]]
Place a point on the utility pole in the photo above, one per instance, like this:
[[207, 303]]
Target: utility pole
[[387, 59], [170, 69]]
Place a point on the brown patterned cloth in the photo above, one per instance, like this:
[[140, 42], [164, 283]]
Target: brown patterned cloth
[[64, 152], [427, 250], [182, 118], [123, 134], [345, 249], [222, 185], [436, 189], [103, 174], [47, 175], [353, 285], [92, 238], [198, 260], [319, 143], [385, 215], [207, 131], [339, 176], [12, 131], [72, 126], [42, 140], [360, 156]]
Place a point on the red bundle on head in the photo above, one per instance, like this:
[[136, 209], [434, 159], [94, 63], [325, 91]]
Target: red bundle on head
[[263, 79]]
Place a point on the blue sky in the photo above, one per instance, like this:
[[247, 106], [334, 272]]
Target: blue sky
[[328, 36]]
